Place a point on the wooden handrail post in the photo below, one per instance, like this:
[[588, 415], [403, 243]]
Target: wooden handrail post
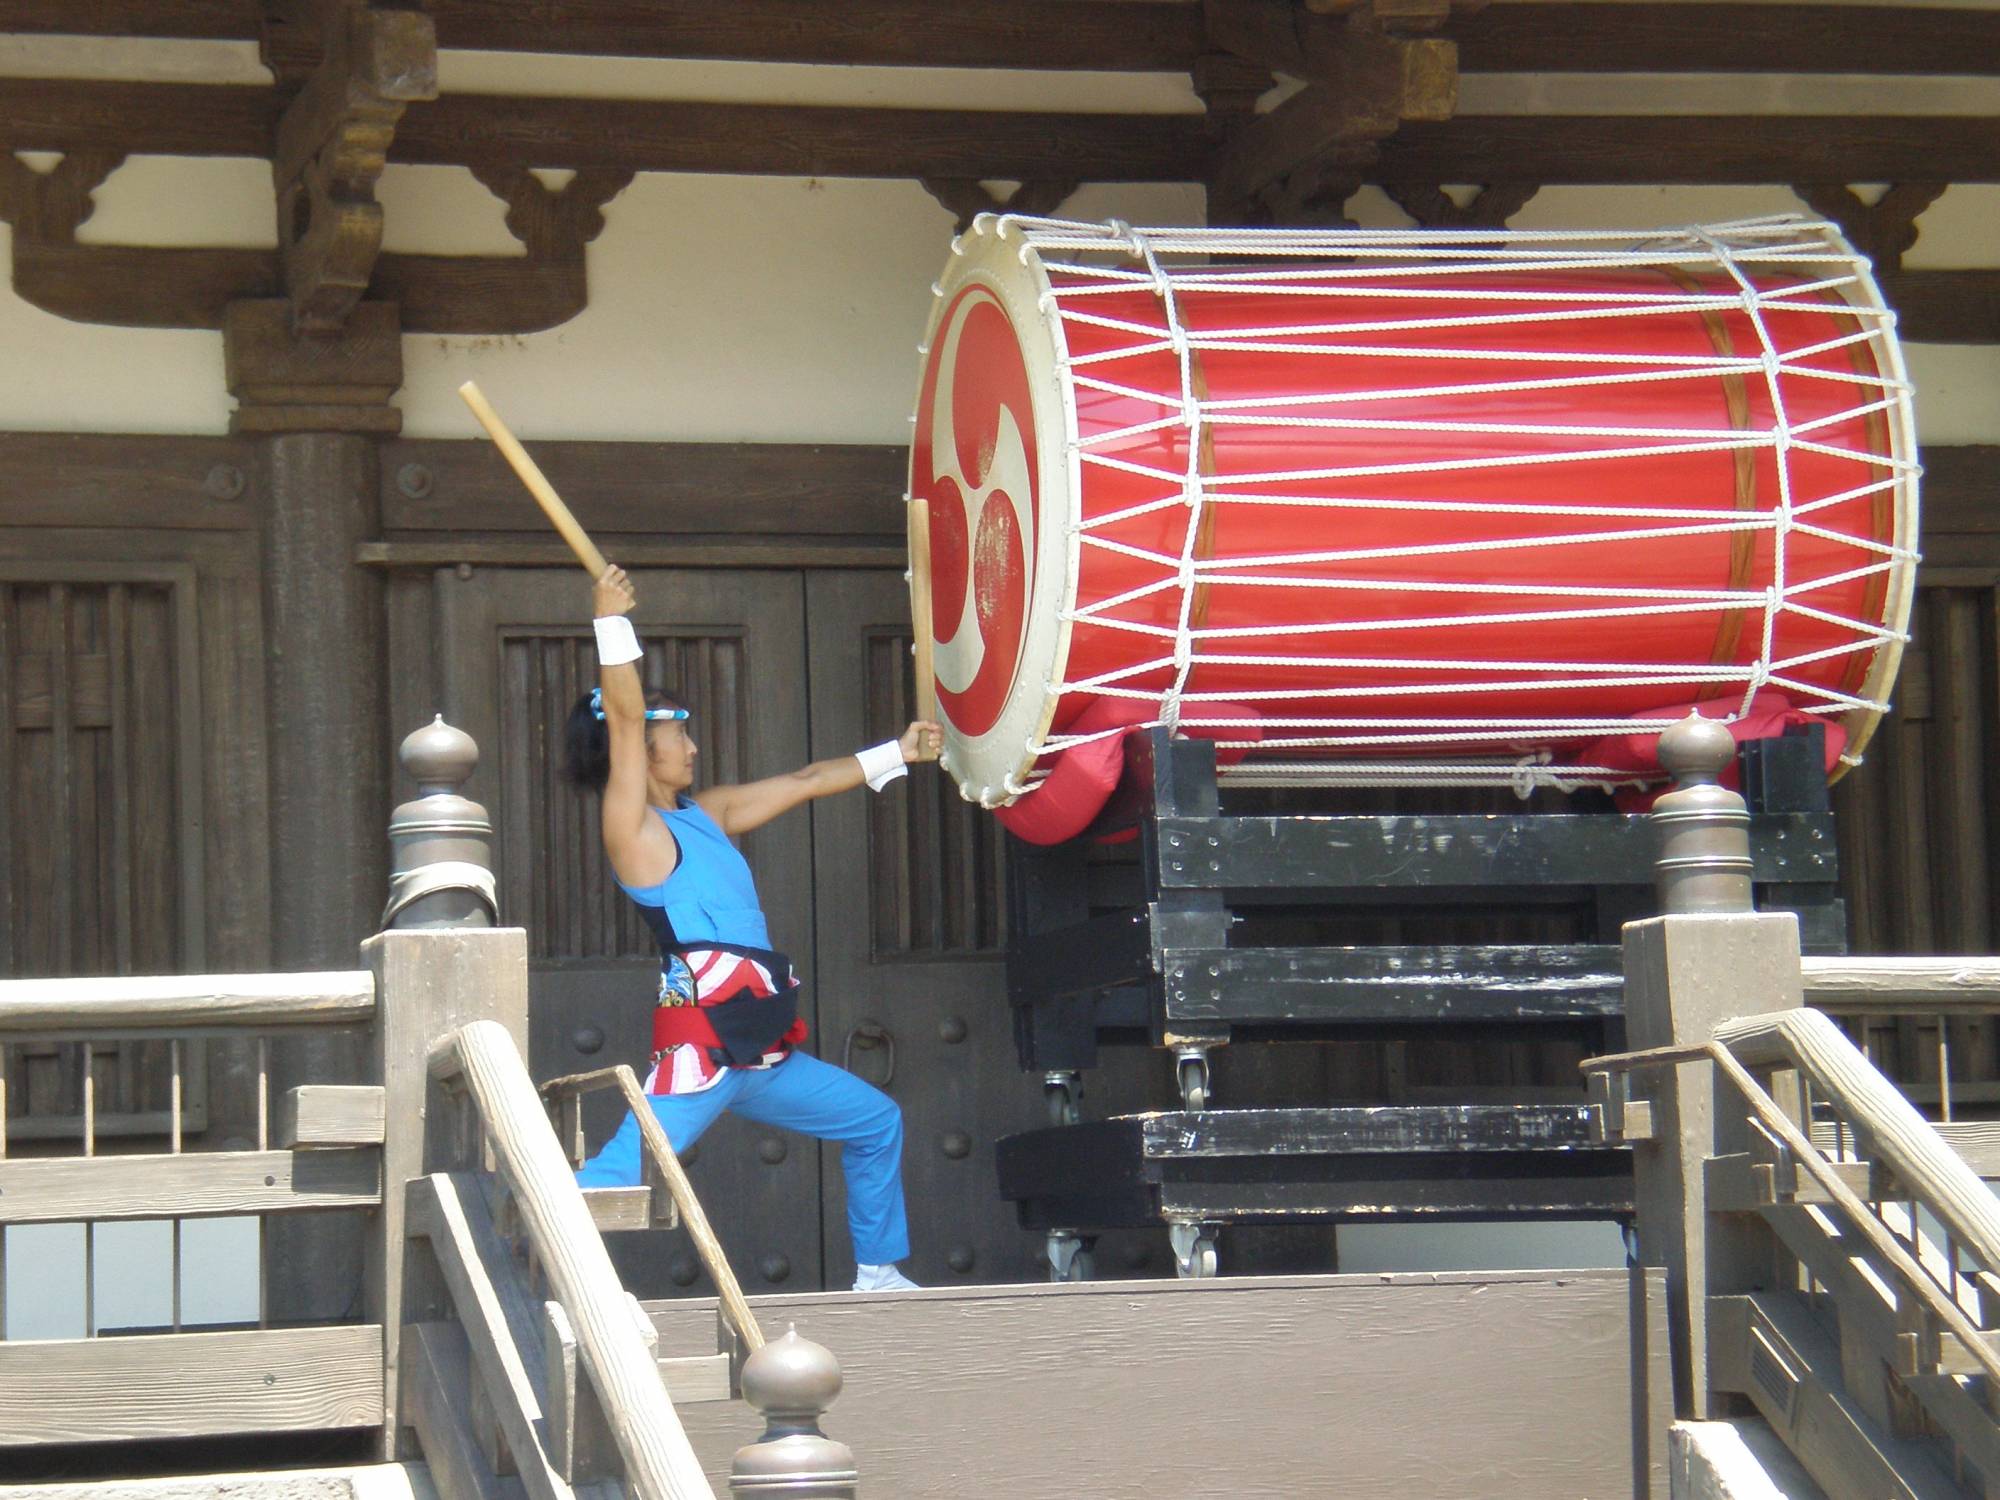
[[1710, 959], [793, 1381], [441, 964]]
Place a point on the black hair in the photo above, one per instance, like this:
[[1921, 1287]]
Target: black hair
[[587, 742]]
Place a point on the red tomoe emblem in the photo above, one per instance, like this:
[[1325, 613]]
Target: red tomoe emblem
[[973, 460]]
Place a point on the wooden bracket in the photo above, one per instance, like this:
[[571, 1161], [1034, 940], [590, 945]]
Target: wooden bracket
[[968, 197], [332, 143], [1489, 208], [1883, 230], [1362, 84], [1931, 306]]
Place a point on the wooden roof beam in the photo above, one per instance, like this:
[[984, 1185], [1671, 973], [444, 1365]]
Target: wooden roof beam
[[474, 130], [1554, 36], [1112, 35], [470, 130]]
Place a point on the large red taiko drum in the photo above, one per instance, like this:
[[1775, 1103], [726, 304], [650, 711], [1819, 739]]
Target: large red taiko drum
[[1381, 503]]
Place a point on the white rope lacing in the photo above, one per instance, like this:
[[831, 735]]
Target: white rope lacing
[[1414, 272]]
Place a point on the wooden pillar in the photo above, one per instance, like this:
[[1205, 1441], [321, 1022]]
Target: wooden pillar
[[1708, 960], [320, 405]]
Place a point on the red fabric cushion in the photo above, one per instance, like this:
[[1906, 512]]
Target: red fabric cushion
[[1081, 778]]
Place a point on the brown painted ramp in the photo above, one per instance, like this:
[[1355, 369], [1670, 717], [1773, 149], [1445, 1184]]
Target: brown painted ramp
[[1460, 1386]]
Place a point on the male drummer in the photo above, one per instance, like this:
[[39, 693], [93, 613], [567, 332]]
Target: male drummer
[[726, 1025]]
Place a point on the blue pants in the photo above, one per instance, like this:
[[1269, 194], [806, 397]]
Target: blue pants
[[803, 1094]]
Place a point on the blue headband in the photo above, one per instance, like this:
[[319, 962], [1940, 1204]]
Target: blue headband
[[597, 708]]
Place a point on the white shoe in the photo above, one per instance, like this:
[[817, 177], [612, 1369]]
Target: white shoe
[[882, 1279]]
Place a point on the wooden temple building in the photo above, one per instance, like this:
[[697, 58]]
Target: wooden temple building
[[279, 1198]]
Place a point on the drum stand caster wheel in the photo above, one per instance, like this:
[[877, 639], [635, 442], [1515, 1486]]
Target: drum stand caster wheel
[[1070, 1258], [1194, 1250], [1191, 1074], [1064, 1092]]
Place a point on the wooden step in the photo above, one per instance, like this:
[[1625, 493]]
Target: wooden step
[[620, 1210], [697, 1377]]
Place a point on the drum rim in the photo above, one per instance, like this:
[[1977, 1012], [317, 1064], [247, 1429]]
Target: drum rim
[[1900, 600]]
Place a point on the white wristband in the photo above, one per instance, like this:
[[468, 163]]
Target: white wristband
[[882, 764], [616, 642]]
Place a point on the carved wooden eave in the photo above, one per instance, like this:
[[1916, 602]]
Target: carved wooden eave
[[332, 143]]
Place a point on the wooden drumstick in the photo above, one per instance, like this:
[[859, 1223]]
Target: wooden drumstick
[[920, 605], [537, 482]]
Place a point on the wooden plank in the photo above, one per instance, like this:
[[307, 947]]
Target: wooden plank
[[1390, 985], [181, 1005], [1120, 35], [1469, 850], [1770, 1350], [620, 1210], [436, 1384], [1738, 36], [1977, 1142], [776, 488], [1945, 307], [1739, 1183], [1869, 984], [1129, 35], [805, 140], [1083, 1366], [644, 135], [498, 1317], [1553, 149], [190, 1384], [196, 1184], [318, 1115], [1961, 488]]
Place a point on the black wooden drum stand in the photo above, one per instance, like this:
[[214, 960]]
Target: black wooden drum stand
[[1166, 956]]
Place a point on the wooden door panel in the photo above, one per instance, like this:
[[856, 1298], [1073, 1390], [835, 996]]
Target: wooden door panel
[[910, 935], [101, 820], [515, 650]]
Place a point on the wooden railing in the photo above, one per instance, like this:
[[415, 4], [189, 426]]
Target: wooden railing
[[590, 1325], [1882, 1324], [486, 1317], [1920, 1020], [312, 1147], [664, 1174], [1829, 1257]]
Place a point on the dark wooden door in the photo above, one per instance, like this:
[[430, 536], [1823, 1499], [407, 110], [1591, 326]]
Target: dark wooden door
[[131, 803], [517, 650], [912, 990]]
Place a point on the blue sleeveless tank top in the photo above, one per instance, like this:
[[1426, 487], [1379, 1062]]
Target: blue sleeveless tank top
[[710, 897]]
